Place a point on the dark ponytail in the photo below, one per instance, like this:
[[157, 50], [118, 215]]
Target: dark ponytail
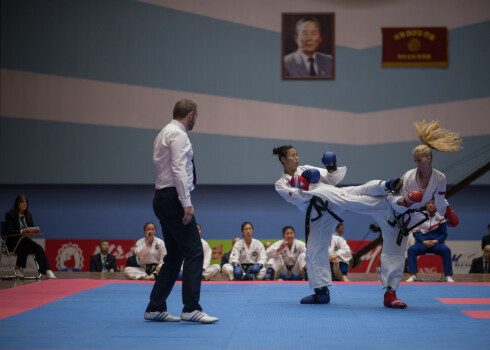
[[281, 151]]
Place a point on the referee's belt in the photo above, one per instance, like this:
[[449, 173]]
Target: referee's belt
[[167, 189], [320, 206]]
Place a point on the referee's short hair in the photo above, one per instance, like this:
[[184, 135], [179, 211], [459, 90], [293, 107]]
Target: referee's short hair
[[184, 107]]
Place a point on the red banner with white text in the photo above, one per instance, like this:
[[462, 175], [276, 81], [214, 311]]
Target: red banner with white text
[[74, 254], [415, 47]]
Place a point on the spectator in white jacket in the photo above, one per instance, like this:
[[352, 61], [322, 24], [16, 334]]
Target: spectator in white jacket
[[287, 259], [248, 257], [340, 254], [208, 271], [149, 253]]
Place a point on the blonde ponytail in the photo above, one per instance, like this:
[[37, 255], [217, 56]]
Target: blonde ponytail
[[433, 136]]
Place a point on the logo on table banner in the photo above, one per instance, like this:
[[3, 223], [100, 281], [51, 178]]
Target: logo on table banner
[[372, 257], [69, 258]]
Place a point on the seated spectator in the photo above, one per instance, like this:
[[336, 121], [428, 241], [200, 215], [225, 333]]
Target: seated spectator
[[149, 253], [430, 237], [18, 221], [482, 264], [339, 254], [208, 271], [267, 245], [132, 261], [287, 259], [485, 239], [410, 242], [103, 261], [247, 257], [225, 259]]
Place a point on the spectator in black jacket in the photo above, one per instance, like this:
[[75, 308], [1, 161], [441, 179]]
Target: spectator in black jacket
[[103, 262], [482, 264], [19, 222], [486, 239]]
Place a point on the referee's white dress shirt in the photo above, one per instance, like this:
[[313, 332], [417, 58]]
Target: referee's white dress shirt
[[172, 156]]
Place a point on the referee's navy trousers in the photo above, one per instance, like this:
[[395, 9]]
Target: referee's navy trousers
[[183, 244]]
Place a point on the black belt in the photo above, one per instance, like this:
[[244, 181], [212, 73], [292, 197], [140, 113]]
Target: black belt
[[167, 189], [150, 268], [320, 206], [403, 223], [246, 267]]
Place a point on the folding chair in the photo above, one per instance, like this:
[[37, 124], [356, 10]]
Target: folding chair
[[11, 254]]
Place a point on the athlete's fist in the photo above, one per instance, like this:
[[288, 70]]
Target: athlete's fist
[[393, 184], [312, 175], [412, 197], [452, 218], [330, 161], [300, 182]]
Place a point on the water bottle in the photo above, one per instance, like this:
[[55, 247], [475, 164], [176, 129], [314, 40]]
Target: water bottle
[[378, 272]]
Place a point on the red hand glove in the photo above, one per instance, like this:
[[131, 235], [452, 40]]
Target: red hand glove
[[412, 197], [300, 182], [452, 218]]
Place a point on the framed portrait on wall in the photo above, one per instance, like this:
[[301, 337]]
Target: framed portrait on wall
[[308, 45]]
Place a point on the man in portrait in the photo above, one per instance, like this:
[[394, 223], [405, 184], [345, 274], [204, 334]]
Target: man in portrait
[[306, 61]]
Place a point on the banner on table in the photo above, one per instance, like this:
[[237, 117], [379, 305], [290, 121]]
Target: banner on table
[[74, 255]]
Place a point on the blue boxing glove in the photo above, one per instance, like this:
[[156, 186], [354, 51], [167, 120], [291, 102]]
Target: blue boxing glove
[[237, 272], [254, 269], [393, 184], [330, 161], [312, 175]]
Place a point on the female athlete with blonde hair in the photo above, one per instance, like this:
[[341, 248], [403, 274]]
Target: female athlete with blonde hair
[[430, 182]]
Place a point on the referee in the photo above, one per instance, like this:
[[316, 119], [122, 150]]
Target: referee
[[176, 178]]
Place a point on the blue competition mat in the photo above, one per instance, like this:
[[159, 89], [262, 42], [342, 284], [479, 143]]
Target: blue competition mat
[[255, 316]]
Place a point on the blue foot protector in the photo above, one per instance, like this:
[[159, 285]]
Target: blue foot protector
[[296, 277], [284, 277], [321, 296], [238, 273], [270, 274]]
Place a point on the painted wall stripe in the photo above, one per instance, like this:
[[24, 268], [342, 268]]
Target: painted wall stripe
[[153, 46], [269, 17], [62, 99]]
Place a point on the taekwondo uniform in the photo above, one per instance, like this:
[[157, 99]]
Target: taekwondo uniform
[[392, 256], [339, 246], [243, 254], [208, 271], [369, 199], [435, 189], [287, 260], [148, 258]]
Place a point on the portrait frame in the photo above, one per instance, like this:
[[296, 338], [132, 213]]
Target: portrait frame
[[293, 65]]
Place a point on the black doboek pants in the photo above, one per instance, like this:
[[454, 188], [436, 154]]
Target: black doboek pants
[[183, 243], [28, 246]]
